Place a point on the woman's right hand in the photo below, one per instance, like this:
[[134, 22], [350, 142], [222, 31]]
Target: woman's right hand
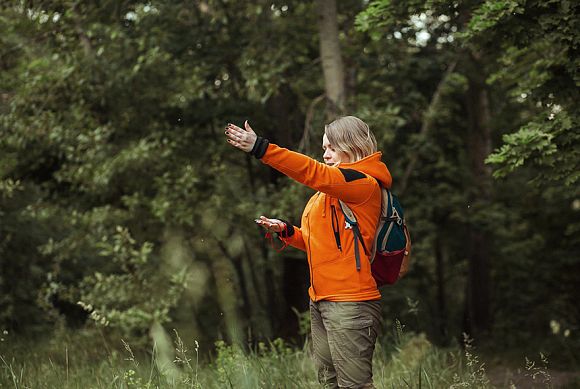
[[242, 138], [272, 225]]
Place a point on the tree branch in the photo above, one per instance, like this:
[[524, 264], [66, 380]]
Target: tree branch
[[426, 125], [305, 140]]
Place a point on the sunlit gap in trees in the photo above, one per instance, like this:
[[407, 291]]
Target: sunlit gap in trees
[[424, 24]]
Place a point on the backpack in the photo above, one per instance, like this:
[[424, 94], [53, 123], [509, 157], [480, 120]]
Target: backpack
[[391, 249]]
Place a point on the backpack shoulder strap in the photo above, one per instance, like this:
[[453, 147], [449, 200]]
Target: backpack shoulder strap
[[351, 219], [348, 213]]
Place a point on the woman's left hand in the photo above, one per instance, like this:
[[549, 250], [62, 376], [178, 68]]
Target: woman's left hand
[[272, 225], [242, 138]]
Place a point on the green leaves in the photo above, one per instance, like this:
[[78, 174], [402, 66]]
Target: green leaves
[[121, 248], [137, 297], [387, 14], [518, 147], [491, 13], [537, 70], [9, 187]]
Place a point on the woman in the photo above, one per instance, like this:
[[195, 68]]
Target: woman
[[344, 298]]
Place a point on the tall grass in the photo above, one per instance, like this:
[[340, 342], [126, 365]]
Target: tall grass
[[402, 360]]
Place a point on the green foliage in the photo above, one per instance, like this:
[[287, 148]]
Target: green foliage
[[527, 59], [536, 65], [131, 299], [111, 114], [114, 91], [303, 322], [520, 146], [386, 13], [81, 360], [9, 187], [491, 13]]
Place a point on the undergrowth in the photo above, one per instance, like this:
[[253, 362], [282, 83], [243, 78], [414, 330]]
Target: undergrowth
[[81, 360]]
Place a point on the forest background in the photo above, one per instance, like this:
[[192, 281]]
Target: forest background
[[124, 213]]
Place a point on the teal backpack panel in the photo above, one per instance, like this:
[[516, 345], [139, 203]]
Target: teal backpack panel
[[392, 235]]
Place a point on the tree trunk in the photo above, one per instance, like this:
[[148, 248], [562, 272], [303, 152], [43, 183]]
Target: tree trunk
[[332, 64], [259, 302], [478, 303], [441, 299], [176, 255], [228, 295]]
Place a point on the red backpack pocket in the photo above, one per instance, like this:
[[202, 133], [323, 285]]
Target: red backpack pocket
[[387, 266]]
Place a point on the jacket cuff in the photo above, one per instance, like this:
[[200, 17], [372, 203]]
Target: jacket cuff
[[289, 229], [260, 147]]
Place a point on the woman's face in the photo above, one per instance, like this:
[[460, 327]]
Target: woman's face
[[331, 156]]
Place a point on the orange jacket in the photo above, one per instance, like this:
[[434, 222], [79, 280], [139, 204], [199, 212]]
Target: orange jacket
[[333, 273]]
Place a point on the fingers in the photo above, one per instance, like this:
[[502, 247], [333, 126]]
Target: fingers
[[233, 127], [234, 140], [239, 138], [264, 222], [269, 222], [234, 132], [238, 130], [273, 225], [235, 144]]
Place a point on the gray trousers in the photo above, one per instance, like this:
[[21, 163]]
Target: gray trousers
[[343, 340]]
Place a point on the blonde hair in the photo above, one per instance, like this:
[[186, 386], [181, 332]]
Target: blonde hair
[[352, 136]]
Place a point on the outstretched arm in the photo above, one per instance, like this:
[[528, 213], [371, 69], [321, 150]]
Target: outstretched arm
[[346, 184]]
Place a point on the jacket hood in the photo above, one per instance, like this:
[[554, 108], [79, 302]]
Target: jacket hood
[[373, 166]]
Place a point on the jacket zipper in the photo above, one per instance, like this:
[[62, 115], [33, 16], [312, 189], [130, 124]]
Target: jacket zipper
[[335, 227], [310, 262], [310, 251]]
